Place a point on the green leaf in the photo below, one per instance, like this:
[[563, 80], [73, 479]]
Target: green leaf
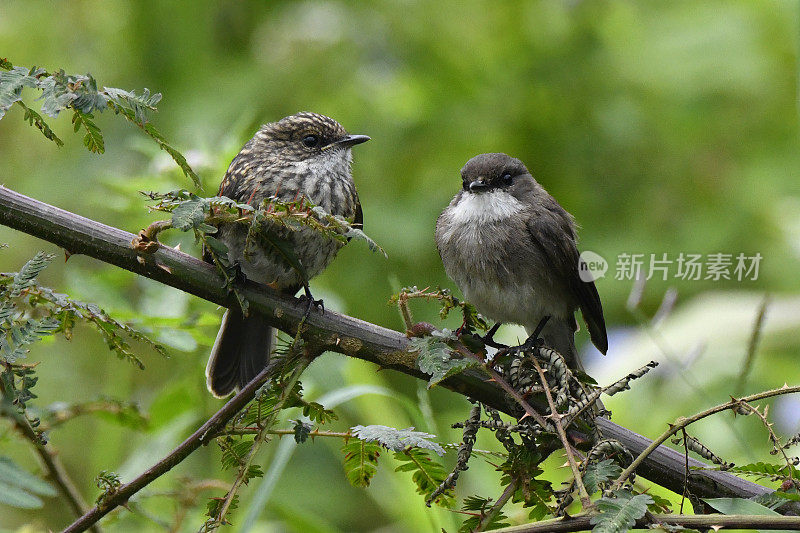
[[437, 359], [619, 514], [660, 504], [35, 119], [139, 105], [739, 506], [476, 503], [29, 271], [89, 99], [14, 344], [189, 214], [11, 84], [761, 470], [317, 413], [252, 472], [234, 451], [397, 440], [360, 461], [219, 247], [358, 234], [427, 474], [471, 523], [598, 474], [93, 139], [56, 96]]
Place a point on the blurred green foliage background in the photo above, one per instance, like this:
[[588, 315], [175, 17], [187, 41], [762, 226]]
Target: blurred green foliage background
[[663, 127]]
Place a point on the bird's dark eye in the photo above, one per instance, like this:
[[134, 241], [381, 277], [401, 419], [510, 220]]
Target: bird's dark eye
[[311, 140], [506, 178]]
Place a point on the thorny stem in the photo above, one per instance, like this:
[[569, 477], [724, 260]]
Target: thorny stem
[[498, 505], [682, 422], [586, 501], [259, 439], [281, 432], [405, 312], [201, 436], [582, 522], [776, 441]]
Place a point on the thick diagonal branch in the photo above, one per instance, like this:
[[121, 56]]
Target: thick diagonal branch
[[329, 330]]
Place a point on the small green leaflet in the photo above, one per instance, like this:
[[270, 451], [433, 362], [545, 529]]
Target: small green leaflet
[[437, 359], [597, 474], [427, 474], [360, 461], [189, 214], [11, 84], [619, 514]]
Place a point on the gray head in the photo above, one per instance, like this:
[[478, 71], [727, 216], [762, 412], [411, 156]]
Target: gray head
[[306, 136], [492, 172]]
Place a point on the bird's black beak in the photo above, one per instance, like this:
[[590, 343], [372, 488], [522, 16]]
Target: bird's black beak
[[351, 140], [478, 185]]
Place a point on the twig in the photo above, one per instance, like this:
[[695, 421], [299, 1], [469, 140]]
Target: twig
[[610, 390], [281, 432], [260, 438], [583, 522], [682, 422], [776, 441], [752, 346], [498, 505], [586, 501], [201, 436]]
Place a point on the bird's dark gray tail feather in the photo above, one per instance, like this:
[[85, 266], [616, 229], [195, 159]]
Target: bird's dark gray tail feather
[[240, 352]]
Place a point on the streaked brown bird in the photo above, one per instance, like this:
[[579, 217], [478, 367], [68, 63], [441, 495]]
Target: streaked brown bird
[[512, 250], [306, 155]]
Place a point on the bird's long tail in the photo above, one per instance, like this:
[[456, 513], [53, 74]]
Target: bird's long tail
[[241, 351]]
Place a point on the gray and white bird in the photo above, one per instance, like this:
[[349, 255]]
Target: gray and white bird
[[306, 155], [512, 250]]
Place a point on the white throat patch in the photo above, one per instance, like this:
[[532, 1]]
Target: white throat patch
[[483, 207]]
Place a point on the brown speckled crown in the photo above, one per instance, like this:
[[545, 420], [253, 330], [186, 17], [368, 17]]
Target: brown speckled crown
[[295, 127]]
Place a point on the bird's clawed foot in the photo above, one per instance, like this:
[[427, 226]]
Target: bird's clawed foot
[[488, 339], [534, 341], [311, 303], [238, 273]]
